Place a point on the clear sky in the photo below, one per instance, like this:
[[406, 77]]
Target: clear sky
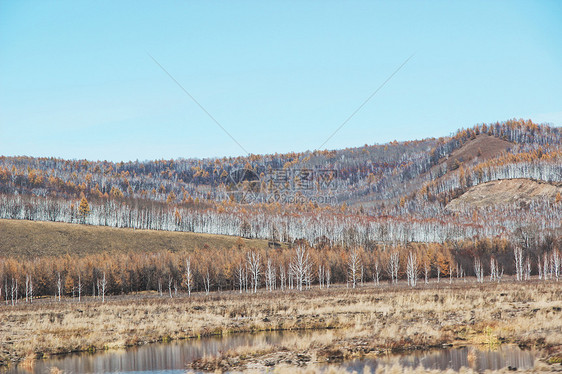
[[76, 80]]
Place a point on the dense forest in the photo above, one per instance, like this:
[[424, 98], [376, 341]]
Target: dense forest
[[377, 212], [393, 193]]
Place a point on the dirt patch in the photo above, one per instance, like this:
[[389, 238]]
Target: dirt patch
[[506, 192]]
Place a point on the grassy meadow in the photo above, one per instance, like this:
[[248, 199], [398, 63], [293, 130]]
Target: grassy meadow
[[367, 321], [29, 239]]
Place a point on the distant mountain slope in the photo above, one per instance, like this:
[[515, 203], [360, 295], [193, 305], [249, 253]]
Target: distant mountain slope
[[395, 192], [507, 191]]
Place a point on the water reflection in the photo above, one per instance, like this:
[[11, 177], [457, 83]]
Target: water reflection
[[171, 358], [478, 359], [153, 358]]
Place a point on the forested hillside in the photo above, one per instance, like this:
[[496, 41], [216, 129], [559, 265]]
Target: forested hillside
[[366, 196]]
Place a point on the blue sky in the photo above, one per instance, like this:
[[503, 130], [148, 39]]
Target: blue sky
[[76, 80]]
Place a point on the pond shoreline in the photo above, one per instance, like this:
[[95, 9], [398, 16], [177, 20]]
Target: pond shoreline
[[370, 319]]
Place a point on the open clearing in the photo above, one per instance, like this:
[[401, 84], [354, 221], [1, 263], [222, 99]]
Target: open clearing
[[19, 238], [506, 191]]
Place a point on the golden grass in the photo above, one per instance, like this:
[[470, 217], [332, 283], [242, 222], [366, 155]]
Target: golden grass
[[368, 320], [19, 238]]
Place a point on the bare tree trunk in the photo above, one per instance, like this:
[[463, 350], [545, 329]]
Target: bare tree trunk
[[353, 265], [79, 288], [478, 270], [59, 285], [103, 285], [188, 276], [412, 269], [518, 253], [254, 265]]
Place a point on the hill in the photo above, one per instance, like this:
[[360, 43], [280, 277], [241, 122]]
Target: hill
[[30, 239], [482, 147], [394, 192], [506, 192]]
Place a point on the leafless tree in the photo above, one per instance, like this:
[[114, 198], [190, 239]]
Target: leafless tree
[[6, 289], [478, 270], [188, 276], [393, 266], [556, 264], [290, 277], [493, 269], [282, 277], [59, 285], [546, 267], [320, 276], [376, 272], [170, 281], [79, 288], [362, 274], [207, 282], [518, 252], [14, 289], [328, 277], [412, 269], [103, 286], [240, 275], [27, 288], [495, 274], [301, 267], [353, 266], [270, 276], [426, 270], [254, 267], [527, 269]]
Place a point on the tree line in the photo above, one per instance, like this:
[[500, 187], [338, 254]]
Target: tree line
[[244, 269]]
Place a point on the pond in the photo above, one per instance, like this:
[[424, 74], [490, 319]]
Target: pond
[[171, 358], [476, 358]]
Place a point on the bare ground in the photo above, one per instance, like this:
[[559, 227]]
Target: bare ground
[[506, 191]]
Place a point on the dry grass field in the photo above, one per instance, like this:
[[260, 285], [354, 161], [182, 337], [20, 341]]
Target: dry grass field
[[366, 321], [29, 239]]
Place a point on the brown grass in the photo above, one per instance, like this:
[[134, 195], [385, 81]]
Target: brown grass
[[369, 320], [482, 147], [35, 239], [506, 192]]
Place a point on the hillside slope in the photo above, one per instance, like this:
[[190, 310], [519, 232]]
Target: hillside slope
[[35, 239], [482, 147], [501, 192]]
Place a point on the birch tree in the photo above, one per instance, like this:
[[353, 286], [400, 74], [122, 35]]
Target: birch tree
[[353, 266], [412, 269], [254, 267], [188, 276], [478, 270], [301, 266]]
